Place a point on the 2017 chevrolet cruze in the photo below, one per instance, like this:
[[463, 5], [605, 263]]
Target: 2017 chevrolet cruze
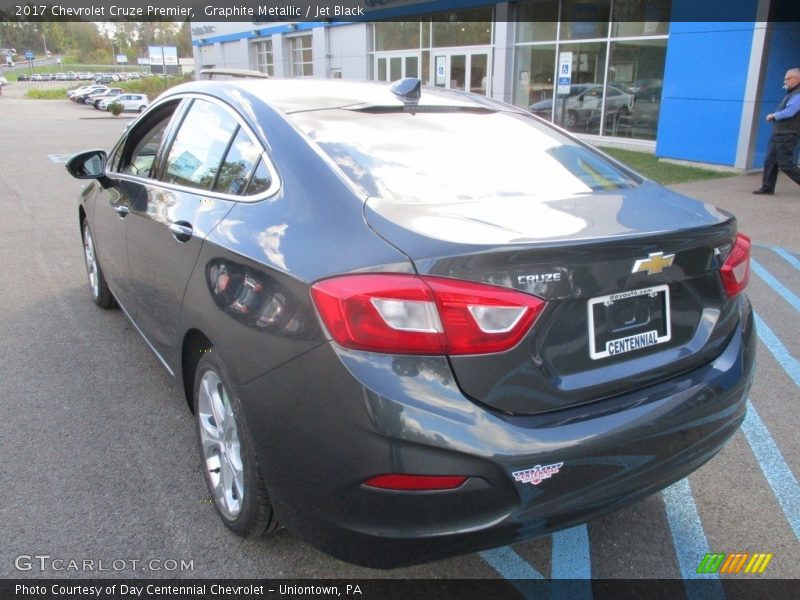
[[413, 323]]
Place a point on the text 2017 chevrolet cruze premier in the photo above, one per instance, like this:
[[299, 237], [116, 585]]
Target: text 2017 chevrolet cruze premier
[[413, 323]]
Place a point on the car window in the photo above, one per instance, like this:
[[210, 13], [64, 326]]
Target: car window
[[444, 157], [143, 156], [139, 151], [261, 180], [200, 144], [238, 165]]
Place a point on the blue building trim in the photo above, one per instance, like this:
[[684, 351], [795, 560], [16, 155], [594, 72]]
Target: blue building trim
[[705, 77]]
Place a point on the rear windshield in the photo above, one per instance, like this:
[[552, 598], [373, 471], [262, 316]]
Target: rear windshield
[[457, 156]]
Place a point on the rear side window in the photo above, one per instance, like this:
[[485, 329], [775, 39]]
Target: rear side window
[[261, 180], [238, 165], [200, 144]]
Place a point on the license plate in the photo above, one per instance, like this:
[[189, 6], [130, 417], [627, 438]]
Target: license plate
[[628, 321]]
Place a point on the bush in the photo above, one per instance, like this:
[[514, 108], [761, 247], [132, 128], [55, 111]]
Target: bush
[[46, 94], [115, 108]]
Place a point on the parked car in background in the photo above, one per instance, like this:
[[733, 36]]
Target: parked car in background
[[82, 96], [95, 99], [411, 322], [584, 103], [37, 77], [103, 79], [23, 77], [71, 94], [129, 102]]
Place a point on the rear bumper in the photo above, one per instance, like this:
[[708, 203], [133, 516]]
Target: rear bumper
[[332, 418]]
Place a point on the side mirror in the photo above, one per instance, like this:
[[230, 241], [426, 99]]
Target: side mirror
[[88, 165]]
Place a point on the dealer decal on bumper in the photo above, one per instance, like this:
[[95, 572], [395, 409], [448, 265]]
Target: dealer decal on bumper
[[537, 474]]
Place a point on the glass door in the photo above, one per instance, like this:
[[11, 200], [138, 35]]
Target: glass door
[[391, 66], [467, 71]]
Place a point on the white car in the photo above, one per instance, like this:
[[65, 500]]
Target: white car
[[137, 102], [36, 77]]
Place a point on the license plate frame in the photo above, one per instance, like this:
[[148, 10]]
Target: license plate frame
[[659, 333]]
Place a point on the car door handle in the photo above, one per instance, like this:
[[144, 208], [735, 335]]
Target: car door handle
[[182, 231], [122, 211]]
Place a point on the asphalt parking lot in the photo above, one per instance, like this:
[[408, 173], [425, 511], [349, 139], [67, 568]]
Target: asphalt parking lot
[[98, 450]]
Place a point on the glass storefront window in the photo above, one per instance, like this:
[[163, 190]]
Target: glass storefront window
[[625, 101], [397, 36], [637, 68], [533, 76], [465, 28], [584, 19], [640, 17], [537, 21], [580, 110]]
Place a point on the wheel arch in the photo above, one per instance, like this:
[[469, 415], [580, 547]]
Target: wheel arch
[[195, 343]]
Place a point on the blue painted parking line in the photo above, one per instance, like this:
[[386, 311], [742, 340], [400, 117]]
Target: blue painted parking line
[[790, 258], [788, 362], [571, 555], [776, 285], [510, 564], [773, 465], [689, 540]]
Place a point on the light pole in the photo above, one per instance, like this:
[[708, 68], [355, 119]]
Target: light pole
[[163, 58]]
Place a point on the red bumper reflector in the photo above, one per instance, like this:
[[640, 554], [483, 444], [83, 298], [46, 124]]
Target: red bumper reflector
[[415, 483]]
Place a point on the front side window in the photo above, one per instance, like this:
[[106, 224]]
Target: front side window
[[201, 142], [137, 156]]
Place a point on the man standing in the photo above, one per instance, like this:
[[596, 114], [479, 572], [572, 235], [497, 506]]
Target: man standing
[[785, 136]]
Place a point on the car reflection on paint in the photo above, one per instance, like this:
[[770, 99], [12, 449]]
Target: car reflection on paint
[[412, 322]]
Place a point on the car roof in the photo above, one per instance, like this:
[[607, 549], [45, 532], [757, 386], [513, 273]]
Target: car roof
[[293, 95]]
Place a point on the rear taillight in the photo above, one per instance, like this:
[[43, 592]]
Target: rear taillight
[[735, 271], [406, 314]]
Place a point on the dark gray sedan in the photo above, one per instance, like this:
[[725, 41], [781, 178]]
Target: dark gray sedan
[[413, 323]]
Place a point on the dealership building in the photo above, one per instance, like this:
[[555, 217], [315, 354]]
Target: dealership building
[[687, 83]]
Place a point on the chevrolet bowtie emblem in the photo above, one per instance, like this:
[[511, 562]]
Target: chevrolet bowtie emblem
[[654, 263]]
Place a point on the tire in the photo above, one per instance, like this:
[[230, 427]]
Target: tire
[[227, 452], [141, 108], [101, 295]]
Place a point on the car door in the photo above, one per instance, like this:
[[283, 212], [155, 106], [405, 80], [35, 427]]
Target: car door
[[129, 169], [174, 216]]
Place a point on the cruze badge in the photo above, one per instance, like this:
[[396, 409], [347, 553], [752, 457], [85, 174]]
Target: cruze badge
[[540, 278], [537, 474], [654, 263]]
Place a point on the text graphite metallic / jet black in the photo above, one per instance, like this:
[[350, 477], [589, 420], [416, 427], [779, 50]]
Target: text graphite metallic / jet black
[[413, 323]]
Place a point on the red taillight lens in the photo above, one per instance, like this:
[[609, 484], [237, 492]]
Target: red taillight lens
[[406, 314], [736, 270], [415, 483]]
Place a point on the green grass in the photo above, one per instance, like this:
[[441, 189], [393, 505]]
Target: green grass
[[663, 172], [47, 94]]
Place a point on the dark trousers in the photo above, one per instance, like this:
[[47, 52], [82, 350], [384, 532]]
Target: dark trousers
[[781, 156]]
